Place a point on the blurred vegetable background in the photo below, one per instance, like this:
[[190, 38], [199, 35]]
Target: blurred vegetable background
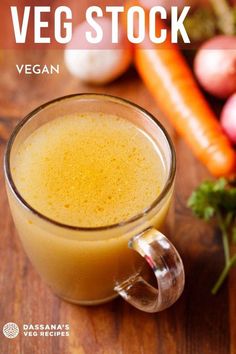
[[199, 322], [211, 18]]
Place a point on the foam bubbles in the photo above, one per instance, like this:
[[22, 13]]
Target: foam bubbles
[[88, 170]]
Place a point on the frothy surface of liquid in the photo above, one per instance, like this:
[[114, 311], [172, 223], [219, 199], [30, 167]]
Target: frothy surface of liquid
[[88, 170]]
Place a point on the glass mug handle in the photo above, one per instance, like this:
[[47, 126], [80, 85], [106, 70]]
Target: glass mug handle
[[167, 266]]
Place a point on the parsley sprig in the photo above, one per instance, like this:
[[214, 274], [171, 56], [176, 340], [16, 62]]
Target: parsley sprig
[[217, 200]]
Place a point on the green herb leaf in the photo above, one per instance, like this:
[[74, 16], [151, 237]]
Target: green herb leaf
[[213, 196], [207, 198], [218, 199]]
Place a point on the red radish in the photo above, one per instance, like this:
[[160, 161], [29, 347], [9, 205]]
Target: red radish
[[228, 118], [98, 63], [215, 66]]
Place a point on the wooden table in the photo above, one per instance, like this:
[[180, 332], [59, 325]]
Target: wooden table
[[198, 323]]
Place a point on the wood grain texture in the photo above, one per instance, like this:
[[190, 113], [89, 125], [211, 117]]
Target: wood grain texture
[[197, 324]]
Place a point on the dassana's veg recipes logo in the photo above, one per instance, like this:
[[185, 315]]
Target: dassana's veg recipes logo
[[11, 330]]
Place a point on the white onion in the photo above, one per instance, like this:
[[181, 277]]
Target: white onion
[[101, 63]]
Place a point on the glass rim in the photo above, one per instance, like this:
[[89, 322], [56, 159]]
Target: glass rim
[[8, 175]]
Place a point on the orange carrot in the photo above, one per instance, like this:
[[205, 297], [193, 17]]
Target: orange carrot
[[171, 82]]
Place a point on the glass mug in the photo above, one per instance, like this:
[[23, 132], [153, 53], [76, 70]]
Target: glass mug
[[90, 266]]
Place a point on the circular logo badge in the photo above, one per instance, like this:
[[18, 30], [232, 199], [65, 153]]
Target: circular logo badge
[[10, 330]]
